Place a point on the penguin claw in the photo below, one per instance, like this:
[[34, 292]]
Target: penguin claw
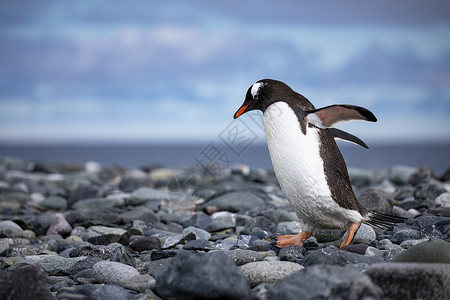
[[289, 240]]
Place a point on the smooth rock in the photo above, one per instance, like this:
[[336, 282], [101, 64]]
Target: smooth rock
[[325, 282], [145, 243], [59, 226], [54, 203], [328, 235], [400, 174], [334, 256], [4, 245], [145, 194], [162, 254], [236, 202], [88, 218], [360, 177], [139, 283], [241, 257], [24, 283], [225, 218], [406, 234], [410, 243], [205, 276], [113, 272], [356, 248], [365, 234], [260, 245], [107, 230], [140, 213], [284, 228], [83, 192], [199, 220], [202, 245], [268, 271], [443, 199], [10, 229], [412, 280], [153, 268], [375, 199], [104, 239], [278, 215], [83, 264], [199, 233], [435, 251], [94, 204], [57, 265], [176, 239], [111, 292], [258, 223]]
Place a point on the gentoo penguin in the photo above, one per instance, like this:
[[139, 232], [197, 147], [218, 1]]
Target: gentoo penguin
[[307, 162]]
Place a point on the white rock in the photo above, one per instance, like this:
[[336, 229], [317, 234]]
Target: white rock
[[268, 271], [443, 200]]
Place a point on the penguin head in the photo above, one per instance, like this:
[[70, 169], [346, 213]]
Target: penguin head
[[264, 93]]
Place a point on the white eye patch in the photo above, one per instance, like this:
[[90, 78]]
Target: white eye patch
[[255, 89]]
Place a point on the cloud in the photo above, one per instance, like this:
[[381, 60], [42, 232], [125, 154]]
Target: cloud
[[179, 71]]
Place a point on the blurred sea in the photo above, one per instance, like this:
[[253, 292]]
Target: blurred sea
[[437, 156]]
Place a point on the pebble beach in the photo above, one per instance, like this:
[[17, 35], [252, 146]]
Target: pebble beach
[[87, 231]]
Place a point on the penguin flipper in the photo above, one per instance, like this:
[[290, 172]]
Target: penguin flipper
[[330, 115], [342, 135]]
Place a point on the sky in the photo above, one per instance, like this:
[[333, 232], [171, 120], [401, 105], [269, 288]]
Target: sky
[[176, 71]]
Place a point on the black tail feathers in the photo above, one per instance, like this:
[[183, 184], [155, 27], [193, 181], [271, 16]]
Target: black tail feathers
[[383, 220]]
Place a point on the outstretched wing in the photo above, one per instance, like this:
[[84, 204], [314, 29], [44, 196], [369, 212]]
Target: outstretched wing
[[331, 115]]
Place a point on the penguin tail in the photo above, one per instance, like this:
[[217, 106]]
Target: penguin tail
[[382, 220]]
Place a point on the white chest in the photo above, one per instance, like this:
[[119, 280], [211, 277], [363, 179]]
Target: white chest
[[299, 167]]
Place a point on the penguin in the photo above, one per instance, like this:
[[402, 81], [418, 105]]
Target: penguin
[[307, 162]]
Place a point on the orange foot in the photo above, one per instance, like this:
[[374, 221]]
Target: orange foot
[[350, 234], [289, 240]]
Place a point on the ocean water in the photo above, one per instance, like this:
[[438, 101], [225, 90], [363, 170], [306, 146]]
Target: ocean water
[[256, 155]]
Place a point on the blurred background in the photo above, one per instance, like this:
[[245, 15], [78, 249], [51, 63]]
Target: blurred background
[[158, 82]]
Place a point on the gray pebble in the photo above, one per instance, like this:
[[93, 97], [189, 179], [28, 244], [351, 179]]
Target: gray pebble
[[268, 271], [54, 203], [10, 229], [112, 272]]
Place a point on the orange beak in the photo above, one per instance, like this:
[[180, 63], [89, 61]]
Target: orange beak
[[240, 111]]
